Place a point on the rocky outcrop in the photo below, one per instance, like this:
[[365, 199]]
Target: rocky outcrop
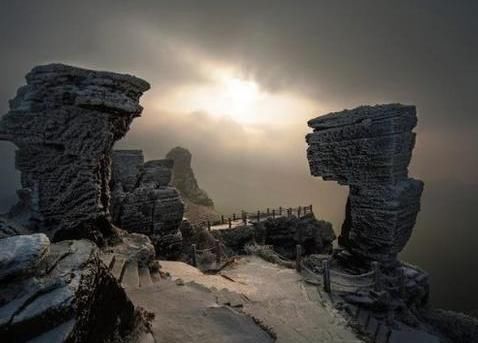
[[9, 228], [199, 208], [184, 179], [143, 201], [69, 296], [369, 149], [64, 122], [283, 234], [22, 254]]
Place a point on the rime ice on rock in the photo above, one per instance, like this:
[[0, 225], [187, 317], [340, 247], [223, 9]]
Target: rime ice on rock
[[64, 123], [143, 200], [369, 149]]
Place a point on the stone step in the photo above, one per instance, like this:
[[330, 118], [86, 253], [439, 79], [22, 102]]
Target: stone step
[[144, 277], [118, 266], [130, 278]]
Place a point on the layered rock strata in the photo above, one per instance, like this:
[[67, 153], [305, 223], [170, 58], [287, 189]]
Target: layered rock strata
[[184, 179], [144, 202], [64, 122], [369, 149], [199, 207], [59, 292]]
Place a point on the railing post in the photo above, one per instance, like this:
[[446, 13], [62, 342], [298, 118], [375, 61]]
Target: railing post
[[273, 213], [230, 222], [244, 217], [222, 219], [268, 212], [258, 216], [310, 208], [326, 275], [305, 210], [208, 225], [280, 211], [233, 217], [289, 212], [377, 276], [194, 256], [217, 249], [298, 258], [299, 209]]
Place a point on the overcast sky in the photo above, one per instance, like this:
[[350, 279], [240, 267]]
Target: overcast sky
[[236, 81]]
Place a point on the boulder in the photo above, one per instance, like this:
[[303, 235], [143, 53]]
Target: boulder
[[143, 201], [69, 297], [21, 254]]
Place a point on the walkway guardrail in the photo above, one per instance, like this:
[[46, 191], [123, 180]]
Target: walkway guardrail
[[244, 217], [330, 279]]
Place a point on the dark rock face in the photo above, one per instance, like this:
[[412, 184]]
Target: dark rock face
[[184, 179], [284, 233], [143, 201], [70, 296], [369, 149], [9, 228], [64, 123], [22, 254]]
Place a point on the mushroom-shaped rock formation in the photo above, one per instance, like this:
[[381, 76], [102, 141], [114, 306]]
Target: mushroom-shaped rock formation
[[143, 201], [369, 149], [64, 123]]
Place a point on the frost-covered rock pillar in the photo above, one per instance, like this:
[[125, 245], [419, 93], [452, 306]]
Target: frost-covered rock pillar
[[144, 201], [369, 149], [64, 123]]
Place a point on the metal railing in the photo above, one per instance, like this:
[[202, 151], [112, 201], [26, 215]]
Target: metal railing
[[329, 279], [245, 217], [216, 251]]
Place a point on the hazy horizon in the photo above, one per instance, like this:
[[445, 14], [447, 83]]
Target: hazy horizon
[[236, 83]]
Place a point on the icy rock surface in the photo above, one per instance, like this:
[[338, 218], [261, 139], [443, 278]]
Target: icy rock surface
[[144, 202], [64, 122], [22, 254], [69, 296], [369, 149]]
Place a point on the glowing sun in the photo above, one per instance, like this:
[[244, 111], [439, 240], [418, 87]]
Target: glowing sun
[[226, 94]]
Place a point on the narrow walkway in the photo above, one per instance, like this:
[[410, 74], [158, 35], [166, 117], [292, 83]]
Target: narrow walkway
[[277, 297]]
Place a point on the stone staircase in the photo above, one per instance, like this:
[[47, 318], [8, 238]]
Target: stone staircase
[[129, 272], [378, 330]]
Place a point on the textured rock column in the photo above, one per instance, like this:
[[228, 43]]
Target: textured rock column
[[369, 149], [64, 123], [144, 201]]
